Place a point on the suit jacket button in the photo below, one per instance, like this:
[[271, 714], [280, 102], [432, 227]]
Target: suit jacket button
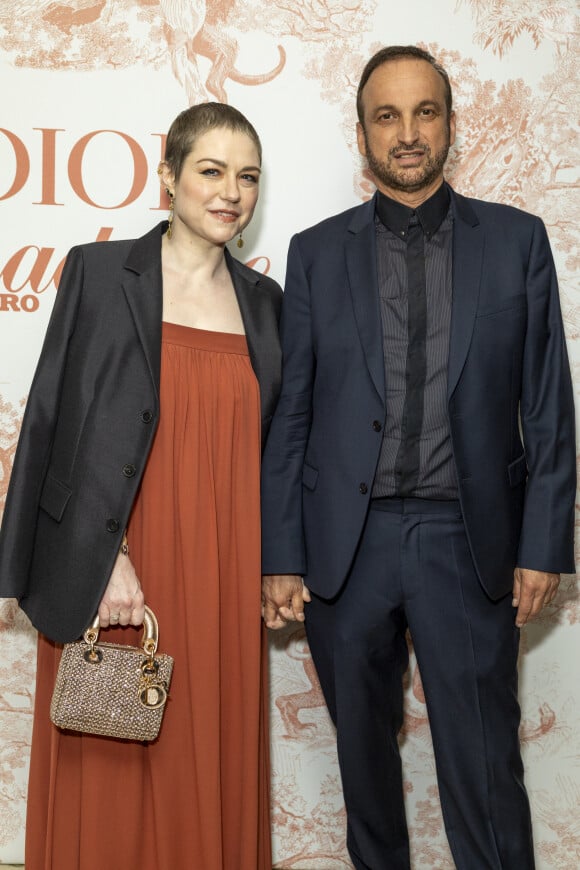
[[129, 470], [363, 489], [147, 416], [377, 426], [113, 525]]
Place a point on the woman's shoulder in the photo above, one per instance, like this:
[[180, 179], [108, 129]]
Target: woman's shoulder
[[253, 276], [114, 251]]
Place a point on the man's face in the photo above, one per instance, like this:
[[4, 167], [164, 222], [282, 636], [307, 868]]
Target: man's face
[[406, 134]]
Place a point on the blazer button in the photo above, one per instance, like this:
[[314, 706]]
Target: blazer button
[[377, 426], [129, 470], [113, 525], [363, 489], [147, 416]]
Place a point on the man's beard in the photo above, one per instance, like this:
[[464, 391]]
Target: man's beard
[[412, 178]]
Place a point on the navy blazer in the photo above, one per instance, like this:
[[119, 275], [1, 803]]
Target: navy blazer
[[507, 366], [89, 424]]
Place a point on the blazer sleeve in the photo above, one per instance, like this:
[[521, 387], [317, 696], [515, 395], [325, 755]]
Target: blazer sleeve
[[36, 435], [547, 418], [283, 549]]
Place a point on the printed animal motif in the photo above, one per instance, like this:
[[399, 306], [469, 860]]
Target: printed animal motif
[[40, 32], [290, 705], [196, 29], [68, 15]]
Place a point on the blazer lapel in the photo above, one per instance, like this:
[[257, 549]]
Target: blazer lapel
[[257, 312], [468, 244], [361, 263], [143, 289]]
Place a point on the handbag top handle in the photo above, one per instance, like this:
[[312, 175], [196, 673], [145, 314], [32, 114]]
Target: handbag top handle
[[150, 637]]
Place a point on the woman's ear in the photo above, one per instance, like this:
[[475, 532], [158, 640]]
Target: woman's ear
[[166, 178]]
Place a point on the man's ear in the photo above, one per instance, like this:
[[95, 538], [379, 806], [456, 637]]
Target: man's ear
[[452, 128], [361, 140]]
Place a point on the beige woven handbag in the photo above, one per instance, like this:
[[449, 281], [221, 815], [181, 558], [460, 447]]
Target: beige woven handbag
[[111, 689]]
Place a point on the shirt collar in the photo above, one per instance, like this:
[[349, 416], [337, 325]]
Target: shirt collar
[[396, 217]]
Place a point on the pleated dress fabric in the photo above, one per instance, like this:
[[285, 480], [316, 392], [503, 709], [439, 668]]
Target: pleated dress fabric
[[198, 797]]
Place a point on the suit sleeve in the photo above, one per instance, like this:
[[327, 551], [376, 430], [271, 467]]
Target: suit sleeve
[[283, 549], [547, 417], [37, 434]]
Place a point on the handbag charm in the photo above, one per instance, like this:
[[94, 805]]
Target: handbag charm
[[113, 690]]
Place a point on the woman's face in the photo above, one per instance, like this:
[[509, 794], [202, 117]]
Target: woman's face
[[217, 191]]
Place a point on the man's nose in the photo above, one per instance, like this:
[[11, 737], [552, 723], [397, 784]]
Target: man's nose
[[408, 131]]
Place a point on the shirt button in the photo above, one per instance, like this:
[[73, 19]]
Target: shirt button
[[129, 470], [363, 489], [377, 426], [147, 416], [113, 525]]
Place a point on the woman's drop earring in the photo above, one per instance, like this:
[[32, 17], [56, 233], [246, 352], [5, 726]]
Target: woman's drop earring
[[170, 215], [240, 242]]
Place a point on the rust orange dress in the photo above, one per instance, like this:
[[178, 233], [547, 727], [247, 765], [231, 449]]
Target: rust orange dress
[[198, 797]]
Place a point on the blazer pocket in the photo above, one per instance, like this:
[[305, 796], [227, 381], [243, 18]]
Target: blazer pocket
[[517, 470], [54, 497], [510, 303], [309, 476]]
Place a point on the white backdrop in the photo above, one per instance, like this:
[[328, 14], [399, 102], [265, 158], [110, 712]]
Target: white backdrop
[[88, 89]]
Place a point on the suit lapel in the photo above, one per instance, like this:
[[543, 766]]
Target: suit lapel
[[143, 288], [361, 263], [468, 244]]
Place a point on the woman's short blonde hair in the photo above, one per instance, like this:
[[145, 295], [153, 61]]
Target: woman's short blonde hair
[[197, 120]]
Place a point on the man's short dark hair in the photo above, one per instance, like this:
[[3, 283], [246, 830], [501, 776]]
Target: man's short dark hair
[[396, 52]]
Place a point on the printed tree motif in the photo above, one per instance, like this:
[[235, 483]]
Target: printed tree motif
[[427, 839], [557, 809], [16, 672], [311, 20], [499, 23], [17, 668], [10, 421], [539, 149], [316, 836], [14, 754], [80, 34]]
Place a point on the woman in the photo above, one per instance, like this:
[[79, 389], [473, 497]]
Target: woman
[[144, 415]]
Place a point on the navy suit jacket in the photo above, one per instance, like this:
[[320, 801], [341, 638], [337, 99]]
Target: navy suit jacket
[[509, 399], [90, 420]]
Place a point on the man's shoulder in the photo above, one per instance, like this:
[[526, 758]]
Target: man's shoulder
[[336, 224], [493, 212]]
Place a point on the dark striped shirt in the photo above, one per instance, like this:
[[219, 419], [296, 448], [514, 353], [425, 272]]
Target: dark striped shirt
[[436, 476]]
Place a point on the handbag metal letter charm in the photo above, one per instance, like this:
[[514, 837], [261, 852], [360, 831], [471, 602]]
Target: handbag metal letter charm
[[152, 691]]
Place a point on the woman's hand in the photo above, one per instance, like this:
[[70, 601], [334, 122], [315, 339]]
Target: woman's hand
[[123, 602]]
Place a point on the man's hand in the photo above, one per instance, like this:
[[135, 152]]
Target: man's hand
[[532, 591], [283, 597]]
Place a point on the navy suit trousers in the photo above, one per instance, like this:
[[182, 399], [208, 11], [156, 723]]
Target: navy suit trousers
[[413, 569]]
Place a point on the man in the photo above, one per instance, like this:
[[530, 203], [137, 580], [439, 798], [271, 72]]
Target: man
[[420, 471]]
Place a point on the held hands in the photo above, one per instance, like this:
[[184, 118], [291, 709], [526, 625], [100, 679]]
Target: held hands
[[532, 591], [123, 602], [283, 597]]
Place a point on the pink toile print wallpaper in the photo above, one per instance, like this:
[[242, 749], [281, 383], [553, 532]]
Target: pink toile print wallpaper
[[89, 88]]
